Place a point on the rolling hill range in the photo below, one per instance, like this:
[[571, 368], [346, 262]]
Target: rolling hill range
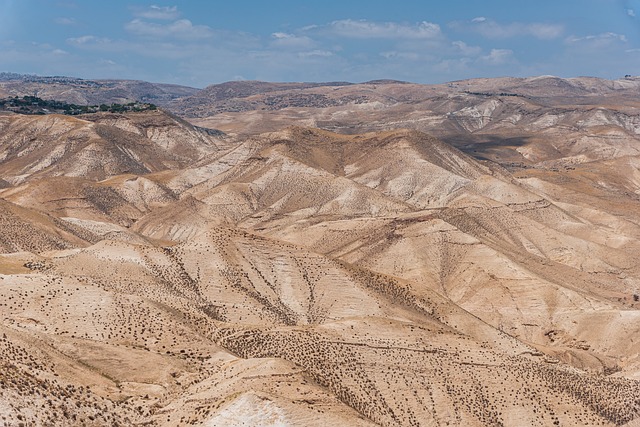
[[461, 254], [92, 92], [507, 120]]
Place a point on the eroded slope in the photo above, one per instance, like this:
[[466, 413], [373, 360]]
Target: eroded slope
[[302, 277]]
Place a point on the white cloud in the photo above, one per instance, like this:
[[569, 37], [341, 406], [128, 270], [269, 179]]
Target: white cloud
[[316, 53], [464, 49], [544, 31], [65, 21], [59, 52], [85, 40], [291, 41], [171, 44], [158, 12], [493, 30], [595, 41], [382, 30], [182, 29], [394, 54], [631, 13], [149, 49], [497, 57], [449, 66]]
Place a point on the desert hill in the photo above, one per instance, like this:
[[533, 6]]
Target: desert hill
[[270, 314], [156, 272], [23, 229], [507, 120], [96, 146], [484, 228], [90, 92]]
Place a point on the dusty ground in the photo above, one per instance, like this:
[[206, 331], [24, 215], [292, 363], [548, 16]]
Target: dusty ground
[[154, 273]]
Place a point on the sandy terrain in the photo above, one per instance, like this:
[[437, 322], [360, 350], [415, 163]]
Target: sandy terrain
[[156, 273]]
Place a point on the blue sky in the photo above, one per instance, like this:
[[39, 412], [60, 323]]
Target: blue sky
[[197, 43]]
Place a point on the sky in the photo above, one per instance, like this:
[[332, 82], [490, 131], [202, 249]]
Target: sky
[[197, 43]]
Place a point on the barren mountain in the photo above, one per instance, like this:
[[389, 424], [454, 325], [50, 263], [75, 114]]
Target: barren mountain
[[90, 92], [523, 121], [153, 272], [96, 146]]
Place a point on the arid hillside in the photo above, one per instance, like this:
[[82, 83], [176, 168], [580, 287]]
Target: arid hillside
[[82, 91], [153, 272], [513, 121]]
